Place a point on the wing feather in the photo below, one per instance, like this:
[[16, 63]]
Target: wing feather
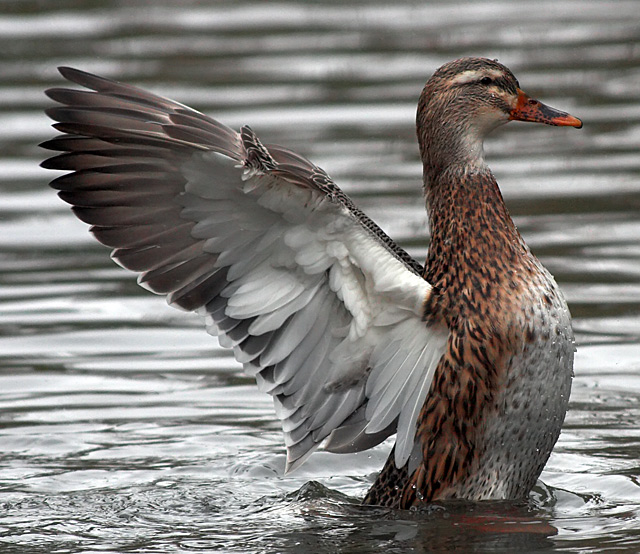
[[319, 304]]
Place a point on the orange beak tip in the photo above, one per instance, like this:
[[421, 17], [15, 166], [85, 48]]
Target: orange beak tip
[[567, 121]]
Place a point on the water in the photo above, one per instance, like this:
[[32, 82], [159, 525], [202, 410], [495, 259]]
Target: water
[[125, 428]]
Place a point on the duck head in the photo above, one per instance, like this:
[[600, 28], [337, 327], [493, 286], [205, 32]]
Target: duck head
[[464, 101]]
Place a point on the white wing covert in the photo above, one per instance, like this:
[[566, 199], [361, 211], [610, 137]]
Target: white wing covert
[[321, 306]]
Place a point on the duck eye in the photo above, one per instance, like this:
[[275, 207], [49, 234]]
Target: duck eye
[[486, 81]]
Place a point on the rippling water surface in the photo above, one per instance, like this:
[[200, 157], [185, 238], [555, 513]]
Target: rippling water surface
[[124, 427]]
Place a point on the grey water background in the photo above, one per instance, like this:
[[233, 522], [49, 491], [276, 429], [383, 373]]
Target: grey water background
[[124, 427]]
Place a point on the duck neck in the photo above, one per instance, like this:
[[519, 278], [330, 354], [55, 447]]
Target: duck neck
[[469, 222], [449, 135]]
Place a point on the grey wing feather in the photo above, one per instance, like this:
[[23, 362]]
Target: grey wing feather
[[261, 242]]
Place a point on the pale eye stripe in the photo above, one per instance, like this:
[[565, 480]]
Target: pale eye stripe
[[473, 75]]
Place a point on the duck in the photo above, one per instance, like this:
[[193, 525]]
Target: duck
[[467, 360]]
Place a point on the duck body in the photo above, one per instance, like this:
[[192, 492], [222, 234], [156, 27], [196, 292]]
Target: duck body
[[508, 360], [510, 347], [468, 360]]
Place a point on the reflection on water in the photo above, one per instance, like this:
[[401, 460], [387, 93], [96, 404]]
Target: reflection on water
[[126, 427]]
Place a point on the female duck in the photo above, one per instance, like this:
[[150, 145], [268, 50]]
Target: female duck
[[469, 360]]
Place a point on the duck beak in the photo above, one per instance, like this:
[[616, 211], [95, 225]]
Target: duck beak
[[528, 109]]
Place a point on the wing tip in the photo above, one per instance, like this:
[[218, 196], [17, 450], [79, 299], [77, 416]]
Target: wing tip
[[76, 75]]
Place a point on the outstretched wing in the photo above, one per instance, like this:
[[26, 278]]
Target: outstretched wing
[[315, 300]]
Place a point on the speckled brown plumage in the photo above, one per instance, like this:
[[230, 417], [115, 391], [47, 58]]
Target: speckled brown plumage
[[504, 313]]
